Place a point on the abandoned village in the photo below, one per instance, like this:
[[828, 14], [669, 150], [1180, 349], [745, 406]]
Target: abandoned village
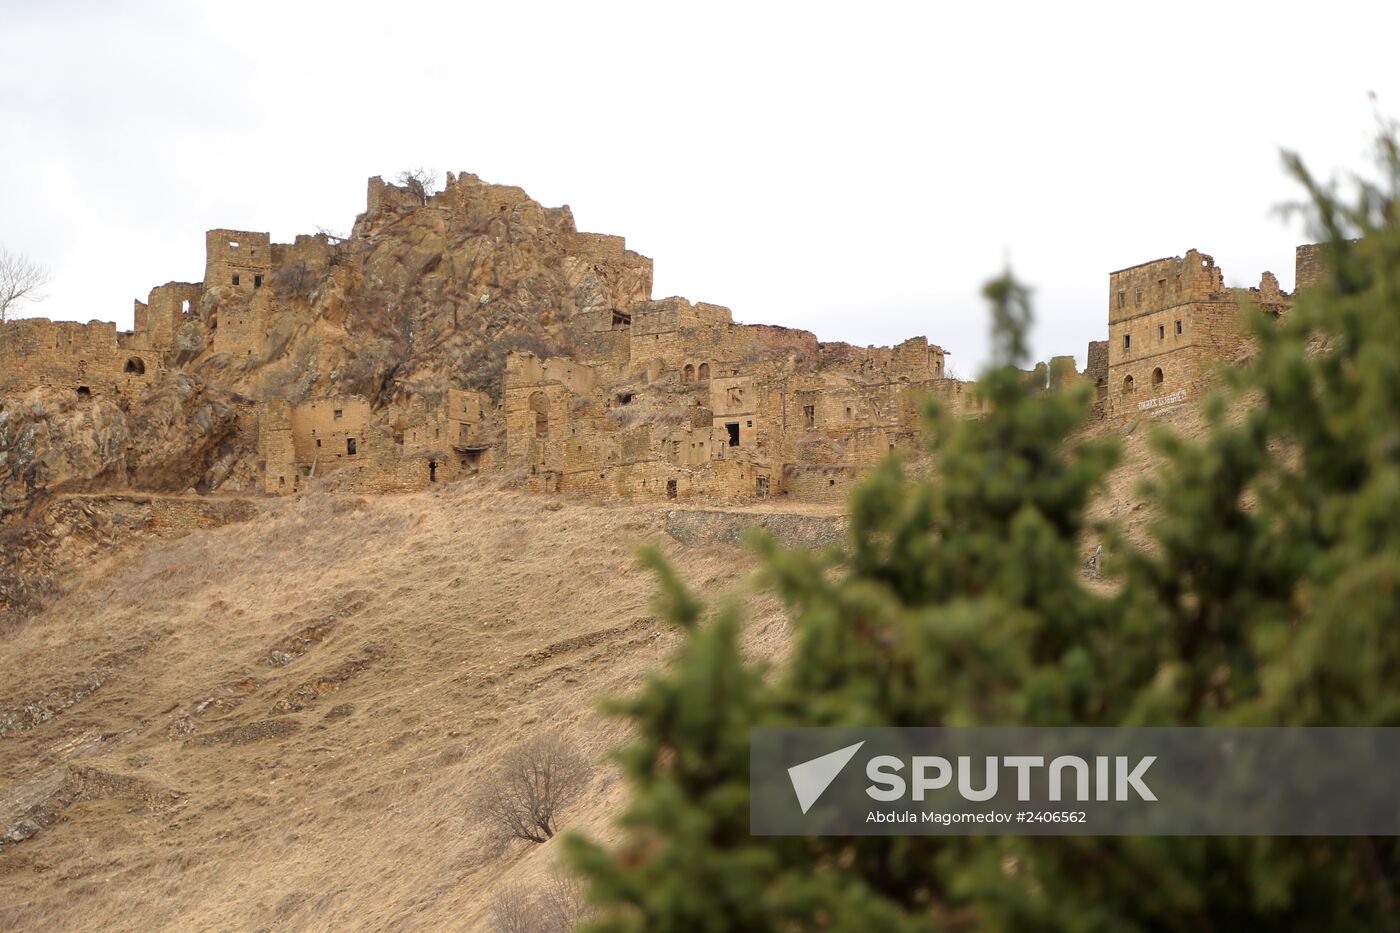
[[475, 331]]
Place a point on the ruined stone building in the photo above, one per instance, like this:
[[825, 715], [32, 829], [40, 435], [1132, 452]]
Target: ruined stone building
[[1171, 321], [476, 331]]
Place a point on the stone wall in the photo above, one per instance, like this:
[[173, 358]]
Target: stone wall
[[699, 527], [1170, 322], [237, 259], [86, 358], [1309, 265]]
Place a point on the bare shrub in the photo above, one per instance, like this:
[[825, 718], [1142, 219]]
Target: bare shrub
[[563, 902], [558, 906], [423, 182], [21, 280], [533, 784], [513, 910], [294, 280]]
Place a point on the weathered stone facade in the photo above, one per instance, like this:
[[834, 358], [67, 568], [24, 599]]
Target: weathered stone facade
[[1169, 322]]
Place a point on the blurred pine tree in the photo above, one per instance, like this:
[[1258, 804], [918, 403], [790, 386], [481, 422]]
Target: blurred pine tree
[[1269, 594]]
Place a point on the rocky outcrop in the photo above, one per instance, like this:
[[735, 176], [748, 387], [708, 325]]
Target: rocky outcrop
[[54, 439], [423, 298], [180, 434]]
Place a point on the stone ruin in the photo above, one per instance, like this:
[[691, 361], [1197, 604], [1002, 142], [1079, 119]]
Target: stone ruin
[[643, 397]]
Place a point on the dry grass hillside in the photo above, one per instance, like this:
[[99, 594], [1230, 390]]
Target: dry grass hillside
[[281, 723]]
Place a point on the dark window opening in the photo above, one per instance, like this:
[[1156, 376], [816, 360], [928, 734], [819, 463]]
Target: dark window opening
[[761, 487], [235, 280], [1127, 341], [621, 319], [281, 481], [1127, 385], [1157, 376], [733, 429], [432, 471], [84, 390], [318, 442], [1178, 328], [688, 374], [625, 398], [1161, 331], [670, 489], [809, 415], [135, 365], [831, 482], [339, 413], [257, 281], [350, 446]]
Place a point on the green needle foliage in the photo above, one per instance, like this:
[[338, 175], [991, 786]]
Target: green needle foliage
[[1269, 594]]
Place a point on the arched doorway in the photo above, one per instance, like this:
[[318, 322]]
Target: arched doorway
[[539, 404], [136, 366]]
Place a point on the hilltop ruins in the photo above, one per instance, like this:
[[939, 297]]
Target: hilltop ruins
[[476, 331]]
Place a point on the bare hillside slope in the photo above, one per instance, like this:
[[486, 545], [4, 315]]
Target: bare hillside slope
[[280, 723]]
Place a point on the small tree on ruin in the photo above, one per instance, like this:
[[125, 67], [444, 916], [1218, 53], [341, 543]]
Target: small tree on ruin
[[423, 182]]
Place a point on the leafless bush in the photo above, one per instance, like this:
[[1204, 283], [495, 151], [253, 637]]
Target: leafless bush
[[558, 906], [534, 783], [423, 182], [563, 902], [513, 910], [293, 280], [21, 280]]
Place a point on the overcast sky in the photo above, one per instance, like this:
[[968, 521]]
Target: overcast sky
[[855, 169]]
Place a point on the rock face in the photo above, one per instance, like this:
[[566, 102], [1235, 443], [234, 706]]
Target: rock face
[[179, 434], [427, 297], [51, 439]]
